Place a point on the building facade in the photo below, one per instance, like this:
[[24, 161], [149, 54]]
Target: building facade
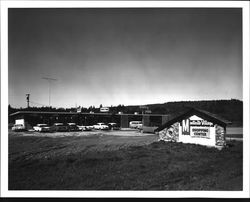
[[150, 121]]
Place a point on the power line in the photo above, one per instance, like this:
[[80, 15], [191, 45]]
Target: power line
[[49, 80]]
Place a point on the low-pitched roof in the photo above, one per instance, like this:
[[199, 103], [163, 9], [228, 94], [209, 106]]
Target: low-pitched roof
[[194, 111]]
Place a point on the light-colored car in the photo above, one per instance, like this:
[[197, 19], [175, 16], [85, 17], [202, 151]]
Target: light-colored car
[[101, 126], [85, 128], [18, 127], [41, 128], [135, 124]]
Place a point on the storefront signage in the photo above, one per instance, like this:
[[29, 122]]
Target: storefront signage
[[196, 128], [185, 127], [200, 123], [200, 131]]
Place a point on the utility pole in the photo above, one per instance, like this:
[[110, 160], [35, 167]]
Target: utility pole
[[49, 80], [28, 100], [142, 107]]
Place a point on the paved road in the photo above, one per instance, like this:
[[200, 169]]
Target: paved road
[[234, 130], [234, 138]]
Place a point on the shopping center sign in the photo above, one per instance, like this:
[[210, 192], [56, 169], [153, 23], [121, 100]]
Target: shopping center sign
[[198, 131], [201, 123], [196, 128]]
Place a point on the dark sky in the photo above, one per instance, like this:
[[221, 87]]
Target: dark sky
[[124, 56]]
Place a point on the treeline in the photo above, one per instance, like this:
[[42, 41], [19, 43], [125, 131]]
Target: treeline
[[115, 109], [231, 110]]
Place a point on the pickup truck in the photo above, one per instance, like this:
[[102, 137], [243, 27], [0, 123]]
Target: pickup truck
[[19, 125]]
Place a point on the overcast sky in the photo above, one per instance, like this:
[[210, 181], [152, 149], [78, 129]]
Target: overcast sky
[[124, 56]]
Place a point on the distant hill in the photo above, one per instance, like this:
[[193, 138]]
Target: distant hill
[[231, 110]]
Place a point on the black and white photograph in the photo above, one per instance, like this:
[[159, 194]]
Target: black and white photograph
[[125, 98]]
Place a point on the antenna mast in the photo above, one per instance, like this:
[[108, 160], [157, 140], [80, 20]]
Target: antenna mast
[[49, 80]]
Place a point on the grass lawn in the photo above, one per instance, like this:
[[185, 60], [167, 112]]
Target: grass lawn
[[69, 163]]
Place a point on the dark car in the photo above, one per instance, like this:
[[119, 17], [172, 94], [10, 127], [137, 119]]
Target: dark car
[[60, 127], [113, 126], [73, 127]]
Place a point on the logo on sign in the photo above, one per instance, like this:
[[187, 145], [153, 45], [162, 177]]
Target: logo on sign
[[185, 127], [201, 123]]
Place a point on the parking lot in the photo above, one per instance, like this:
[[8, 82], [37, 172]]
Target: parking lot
[[232, 133]]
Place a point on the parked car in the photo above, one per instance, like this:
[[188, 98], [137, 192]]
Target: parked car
[[18, 127], [73, 127], [41, 128], [85, 128], [101, 126], [135, 124], [60, 127], [113, 126]]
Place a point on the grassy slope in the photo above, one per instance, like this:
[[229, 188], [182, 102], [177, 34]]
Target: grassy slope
[[158, 166]]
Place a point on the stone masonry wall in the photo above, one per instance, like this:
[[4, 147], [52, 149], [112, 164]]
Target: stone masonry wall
[[170, 134], [219, 136]]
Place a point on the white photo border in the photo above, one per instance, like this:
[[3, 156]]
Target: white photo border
[[122, 4]]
